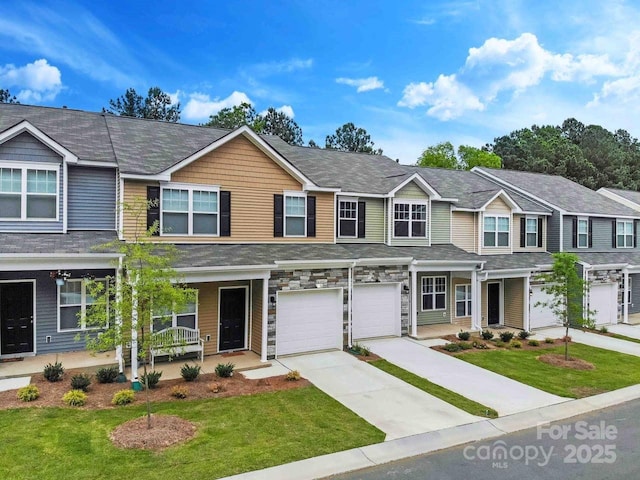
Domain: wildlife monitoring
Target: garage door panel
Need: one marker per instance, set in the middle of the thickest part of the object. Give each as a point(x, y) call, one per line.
point(540, 316)
point(376, 311)
point(603, 300)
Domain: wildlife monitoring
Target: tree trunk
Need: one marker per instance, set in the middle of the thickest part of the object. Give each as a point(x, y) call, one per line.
point(566, 343)
point(146, 383)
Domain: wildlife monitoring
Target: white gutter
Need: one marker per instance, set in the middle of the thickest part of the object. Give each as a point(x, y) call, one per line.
point(349, 302)
point(340, 263)
point(385, 261)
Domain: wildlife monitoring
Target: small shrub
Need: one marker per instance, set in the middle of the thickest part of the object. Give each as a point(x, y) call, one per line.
point(123, 397)
point(190, 372)
point(480, 345)
point(151, 378)
point(506, 336)
point(361, 350)
point(566, 339)
point(465, 345)
point(452, 347)
point(533, 343)
point(53, 372)
point(516, 344)
point(28, 393)
point(464, 335)
point(549, 340)
point(487, 334)
point(225, 370)
point(180, 391)
point(604, 330)
point(81, 381)
point(75, 398)
point(107, 374)
point(523, 334)
point(500, 343)
point(215, 387)
point(292, 376)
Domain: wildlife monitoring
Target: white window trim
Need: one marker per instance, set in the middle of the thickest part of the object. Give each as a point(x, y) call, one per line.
point(467, 298)
point(24, 166)
point(83, 307)
point(526, 232)
point(174, 316)
point(423, 294)
point(586, 220)
point(190, 189)
point(624, 235)
point(411, 203)
point(496, 216)
point(285, 216)
point(350, 200)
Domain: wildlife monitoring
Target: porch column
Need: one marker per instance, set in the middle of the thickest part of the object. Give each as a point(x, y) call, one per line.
point(527, 303)
point(134, 335)
point(118, 319)
point(625, 298)
point(265, 319)
point(414, 303)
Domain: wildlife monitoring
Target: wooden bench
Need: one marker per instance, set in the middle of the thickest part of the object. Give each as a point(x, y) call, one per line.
point(173, 341)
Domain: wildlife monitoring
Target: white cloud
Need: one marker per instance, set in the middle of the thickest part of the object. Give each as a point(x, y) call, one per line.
point(446, 97)
point(362, 84)
point(200, 106)
point(37, 81)
point(286, 109)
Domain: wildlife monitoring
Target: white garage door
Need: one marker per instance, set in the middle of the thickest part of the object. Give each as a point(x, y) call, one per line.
point(540, 316)
point(308, 320)
point(376, 310)
point(603, 299)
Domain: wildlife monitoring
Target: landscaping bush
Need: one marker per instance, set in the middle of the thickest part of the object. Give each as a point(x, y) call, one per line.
point(480, 345)
point(361, 350)
point(500, 343)
point(28, 393)
point(452, 347)
point(151, 379)
point(123, 397)
point(523, 334)
point(107, 374)
point(180, 392)
point(464, 335)
point(549, 340)
point(506, 336)
point(566, 339)
point(75, 398)
point(225, 370)
point(604, 330)
point(190, 372)
point(533, 343)
point(516, 344)
point(53, 372)
point(81, 381)
point(487, 334)
point(465, 345)
point(292, 376)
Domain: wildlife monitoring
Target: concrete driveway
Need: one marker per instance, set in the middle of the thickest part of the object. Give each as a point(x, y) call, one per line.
point(504, 395)
point(395, 407)
point(626, 329)
point(595, 340)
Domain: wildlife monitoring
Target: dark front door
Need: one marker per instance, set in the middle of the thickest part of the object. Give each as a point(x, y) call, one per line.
point(16, 318)
point(493, 303)
point(233, 315)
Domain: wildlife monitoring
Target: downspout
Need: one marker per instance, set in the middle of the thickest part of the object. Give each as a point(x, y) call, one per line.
point(413, 302)
point(625, 297)
point(527, 306)
point(349, 313)
point(265, 319)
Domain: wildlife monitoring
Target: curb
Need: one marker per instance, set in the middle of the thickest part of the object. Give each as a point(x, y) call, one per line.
point(401, 448)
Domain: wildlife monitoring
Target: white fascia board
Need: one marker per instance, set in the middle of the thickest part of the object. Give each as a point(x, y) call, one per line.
point(511, 273)
point(91, 163)
point(385, 261)
point(604, 215)
point(446, 266)
point(219, 274)
point(421, 182)
point(314, 188)
point(338, 263)
point(12, 262)
point(160, 177)
point(368, 195)
point(614, 196)
point(25, 126)
point(607, 266)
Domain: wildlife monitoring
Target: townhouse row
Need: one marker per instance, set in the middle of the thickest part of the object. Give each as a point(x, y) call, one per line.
point(291, 249)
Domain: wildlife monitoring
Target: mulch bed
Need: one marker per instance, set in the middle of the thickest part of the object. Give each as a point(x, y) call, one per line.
point(558, 360)
point(491, 344)
point(165, 431)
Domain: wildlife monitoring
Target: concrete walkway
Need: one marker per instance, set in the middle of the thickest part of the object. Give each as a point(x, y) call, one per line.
point(593, 340)
point(395, 407)
point(632, 331)
point(488, 388)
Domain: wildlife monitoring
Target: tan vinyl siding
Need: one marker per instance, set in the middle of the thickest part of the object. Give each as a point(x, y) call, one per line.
point(514, 302)
point(135, 224)
point(515, 235)
point(374, 222)
point(252, 178)
point(440, 223)
point(433, 317)
point(497, 207)
point(463, 322)
point(464, 232)
point(256, 316)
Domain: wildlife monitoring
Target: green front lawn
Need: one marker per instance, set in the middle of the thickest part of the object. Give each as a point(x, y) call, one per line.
point(235, 435)
point(623, 337)
point(431, 388)
point(613, 370)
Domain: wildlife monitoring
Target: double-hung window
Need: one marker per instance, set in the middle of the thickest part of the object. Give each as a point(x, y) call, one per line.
point(410, 219)
point(29, 193)
point(463, 300)
point(190, 211)
point(624, 234)
point(583, 233)
point(496, 231)
point(531, 232)
point(74, 300)
point(348, 218)
point(434, 293)
point(295, 215)
point(187, 317)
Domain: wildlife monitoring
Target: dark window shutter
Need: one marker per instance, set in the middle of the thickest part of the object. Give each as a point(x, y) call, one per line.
point(225, 214)
point(278, 217)
point(362, 215)
point(153, 212)
point(590, 233)
point(311, 216)
point(635, 234)
point(540, 224)
point(523, 231)
point(613, 233)
point(575, 232)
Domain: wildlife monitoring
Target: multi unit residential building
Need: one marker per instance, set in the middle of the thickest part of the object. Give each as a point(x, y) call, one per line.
point(291, 249)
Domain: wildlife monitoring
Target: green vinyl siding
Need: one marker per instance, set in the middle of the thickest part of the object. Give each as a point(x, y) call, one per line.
point(434, 317)
point(440, 223)
point(411, 191)
point(374, 222)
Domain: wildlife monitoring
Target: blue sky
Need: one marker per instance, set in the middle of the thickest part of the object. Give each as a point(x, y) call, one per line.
point(412, 73)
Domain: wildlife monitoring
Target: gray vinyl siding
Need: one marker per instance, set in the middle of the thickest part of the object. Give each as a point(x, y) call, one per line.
point(26, 148)
point(441, 223)
point(553, 232)
point(92, 198)
point(602, 235)
point(46, 314)
point(435, 316)
point(634, 306)
point(374, 222)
